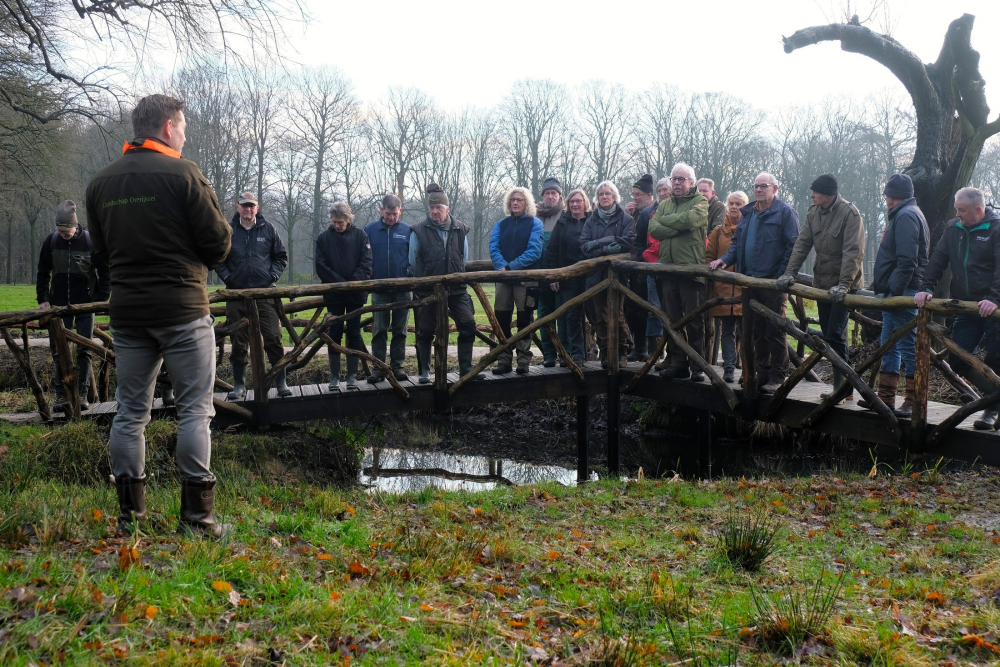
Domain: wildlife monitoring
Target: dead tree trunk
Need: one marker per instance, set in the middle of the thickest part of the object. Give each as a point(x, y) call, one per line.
point(949, 98)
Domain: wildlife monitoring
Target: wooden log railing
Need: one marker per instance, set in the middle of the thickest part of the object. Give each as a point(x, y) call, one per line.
point(979, 388)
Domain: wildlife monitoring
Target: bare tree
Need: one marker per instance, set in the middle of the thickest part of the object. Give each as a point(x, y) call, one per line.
point(263, 100)
point(534, 115)
point(485, 165)
point(605, 119)
point(399, 128)
point(657, 119)
point(293, 191)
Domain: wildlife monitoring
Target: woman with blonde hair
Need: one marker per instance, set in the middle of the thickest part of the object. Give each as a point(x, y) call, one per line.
point(564, 249)
point(608, 231)
point(516, 245)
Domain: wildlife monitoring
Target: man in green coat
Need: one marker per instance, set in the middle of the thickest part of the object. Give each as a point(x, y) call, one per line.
point(680, 225)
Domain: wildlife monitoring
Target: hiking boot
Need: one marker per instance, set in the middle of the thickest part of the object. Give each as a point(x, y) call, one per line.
point(281, 383)
point(987, 421)
point(197, 505)
point(522, 369)
point(131, 501)
point(638, 352)
point(728, 375)
point(888, 383)
point(906, 409)
point(62, 403)
point(549, 363)
point(697, 376)
point(334, 371)
point(771, 387)
point(168, 397)
point(84, 404)
point(400, 375)
point(674, 373)
point(239, 391)
point(502, 368)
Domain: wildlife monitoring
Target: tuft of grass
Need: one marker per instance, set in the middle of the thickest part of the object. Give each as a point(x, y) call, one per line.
point(749, 539)
point(796, 615)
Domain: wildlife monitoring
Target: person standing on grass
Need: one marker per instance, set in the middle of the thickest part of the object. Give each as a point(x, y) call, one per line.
point(516, 245)
point(762, 245)
point(728, 315)
point(69, 272)
point(390, 241)
point(564, 250)
point(257, 259)
point(343, 254)
point(155, 218)
point(970, 246)
point(835, 229)
point(438, 247)
point(640, 208)
point(549, 211)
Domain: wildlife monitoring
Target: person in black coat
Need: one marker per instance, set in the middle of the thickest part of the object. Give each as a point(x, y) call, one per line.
point(562, 250)
point(343, 253)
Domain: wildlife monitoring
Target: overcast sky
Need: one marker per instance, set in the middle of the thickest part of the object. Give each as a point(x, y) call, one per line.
point(469, 53)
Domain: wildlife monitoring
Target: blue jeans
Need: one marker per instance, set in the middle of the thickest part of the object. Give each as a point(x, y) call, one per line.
point(654, 328)
point(971, 330)
point(730, 327)
point(571, 326)
point(396, 321)
point(902, 352)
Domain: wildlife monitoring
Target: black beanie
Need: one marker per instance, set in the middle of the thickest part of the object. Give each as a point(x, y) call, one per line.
point(645, 184)
point(900, 186)
point(436, 195)
point(552, 183)
point(825, 185)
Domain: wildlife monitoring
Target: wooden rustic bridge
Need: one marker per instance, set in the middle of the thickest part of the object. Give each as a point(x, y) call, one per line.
point(935, 428)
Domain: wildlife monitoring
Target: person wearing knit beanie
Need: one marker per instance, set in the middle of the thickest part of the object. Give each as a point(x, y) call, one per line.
point(826, 184)
point(645, 184)
point(551, 183)
point(436, 195)
point(899, 186)
point(66, 214)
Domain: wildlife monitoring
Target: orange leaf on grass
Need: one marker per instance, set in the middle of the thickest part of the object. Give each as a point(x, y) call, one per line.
point(516, 624)
point(222, 586)
point(127, 557)
point(426, 607)
point(553, 554)
point(334, 595)
point(357, 568)
point(936, 599)
point(324, 556)
point(151, 612)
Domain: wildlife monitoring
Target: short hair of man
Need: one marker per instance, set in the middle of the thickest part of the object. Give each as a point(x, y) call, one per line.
point(391, 201)
point(683, 166)
point(770, 177)
point(341, 210)
point(610, 186)
point(152, 112)
point(587, 208)
point(711, 183)
point(739, 194)
point(974, 197)
point(529, 201)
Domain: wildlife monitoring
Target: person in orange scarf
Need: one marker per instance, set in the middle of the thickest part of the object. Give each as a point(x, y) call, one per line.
point(729, 315)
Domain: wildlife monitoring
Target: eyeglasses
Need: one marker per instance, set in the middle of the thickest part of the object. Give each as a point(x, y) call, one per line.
point(762, 186)
point(679, 180)
point(517, 199)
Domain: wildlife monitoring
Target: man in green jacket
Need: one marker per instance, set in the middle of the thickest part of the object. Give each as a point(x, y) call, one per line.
point(156, 219)
point(835, 229)
point(680, 225)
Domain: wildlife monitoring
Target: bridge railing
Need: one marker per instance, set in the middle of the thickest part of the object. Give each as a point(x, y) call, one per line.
point(309, 335)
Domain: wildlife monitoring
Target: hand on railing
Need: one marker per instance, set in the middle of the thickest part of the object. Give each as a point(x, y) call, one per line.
point(554, 287)
point(986, 308)
point(784, 282)
point(717, 264)
point(920, 298)
point(591, 246)
point(837, 293)
point(44, 305)
point(613, 248)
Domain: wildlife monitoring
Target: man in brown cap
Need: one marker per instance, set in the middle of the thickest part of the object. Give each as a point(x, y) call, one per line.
point(70, 273)
point(157, 220)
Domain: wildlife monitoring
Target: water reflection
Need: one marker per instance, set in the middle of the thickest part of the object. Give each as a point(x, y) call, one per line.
point(400, 470)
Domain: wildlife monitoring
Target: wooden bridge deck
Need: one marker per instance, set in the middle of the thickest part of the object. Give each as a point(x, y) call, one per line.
point(316, 401)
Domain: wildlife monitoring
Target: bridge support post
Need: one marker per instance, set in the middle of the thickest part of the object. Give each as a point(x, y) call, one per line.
point(261, 418)
point(921, 380)
point(582, 439)
point(705, 444)
point(613, 315)
point(749, 358)
point(441, 348)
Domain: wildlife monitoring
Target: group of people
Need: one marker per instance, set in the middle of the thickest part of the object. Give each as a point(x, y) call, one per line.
point(156, 229)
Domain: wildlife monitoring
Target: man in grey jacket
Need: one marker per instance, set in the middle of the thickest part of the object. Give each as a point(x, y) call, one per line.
point(257, 259)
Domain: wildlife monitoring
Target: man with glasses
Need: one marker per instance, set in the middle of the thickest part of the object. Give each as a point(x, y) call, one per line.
point(680, 224)
point(257, 259)
point(762, 245)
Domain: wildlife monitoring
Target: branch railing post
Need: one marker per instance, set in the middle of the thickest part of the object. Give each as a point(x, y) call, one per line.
point(613, 304)
point(441, 348)
point(260, 411)
point(68, 369)
point(23, 358)
point(749, 359)
point(921, 380)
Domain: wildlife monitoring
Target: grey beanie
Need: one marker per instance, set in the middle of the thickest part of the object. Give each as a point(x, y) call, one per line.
point(436, 195)
point(66, 214)
point(552, 183)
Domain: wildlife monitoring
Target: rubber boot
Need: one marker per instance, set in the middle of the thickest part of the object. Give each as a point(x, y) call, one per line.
point(334, 371)
point(352, 372)
point(906, 409)
point(888, 383)
point(239, 391)
point(168, 397)
point(281, 383)
point(424, 362)
point(61, 404)
point(465, 360)
point(131, 501)
point(838, 382)
point(197, 504)
point(84, 386)
point(987, 421)
point(638, 352)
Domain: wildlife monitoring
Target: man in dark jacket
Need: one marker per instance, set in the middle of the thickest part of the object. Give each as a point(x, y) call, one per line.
point(762, 245)
point(257, 259)
point(549, 211)
point(899, 269)
point(390, 241)
point(439, 246)
point(343, 253)
point(716, 208)
point(155, 217)
point(641, 209)
point(970, 246)
point(77, 276)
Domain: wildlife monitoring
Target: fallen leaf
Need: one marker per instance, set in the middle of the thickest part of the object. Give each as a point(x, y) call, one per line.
point(235, 598)
point(553, 554)
point(334, 595)
point(355, 567)
point(324, 556)
point(408, 619)
point(127, 557)
point(151, 612)
point(222, 586)
point(426, 607)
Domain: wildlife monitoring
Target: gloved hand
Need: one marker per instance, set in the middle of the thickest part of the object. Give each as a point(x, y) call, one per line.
point(591, 246)
point(785, 281)
point(837, 293)
point(613, 248)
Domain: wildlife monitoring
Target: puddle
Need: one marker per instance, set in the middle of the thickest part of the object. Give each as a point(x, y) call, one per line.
point(401, 470)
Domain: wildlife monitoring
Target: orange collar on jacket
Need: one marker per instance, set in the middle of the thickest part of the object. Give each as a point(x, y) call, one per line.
point(152, 145)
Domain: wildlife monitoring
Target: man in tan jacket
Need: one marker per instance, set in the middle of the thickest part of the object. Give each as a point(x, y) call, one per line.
point(835, 229)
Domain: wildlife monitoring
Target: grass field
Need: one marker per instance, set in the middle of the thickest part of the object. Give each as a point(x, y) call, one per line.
point(897, 568)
